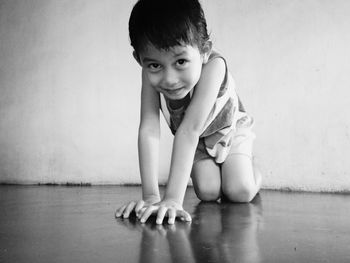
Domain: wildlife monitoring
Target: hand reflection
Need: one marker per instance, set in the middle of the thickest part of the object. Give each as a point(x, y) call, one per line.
point(226, 232)
point(219, 232)
point(162, 243)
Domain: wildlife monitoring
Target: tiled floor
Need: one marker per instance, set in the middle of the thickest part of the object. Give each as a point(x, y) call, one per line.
point(77, 224)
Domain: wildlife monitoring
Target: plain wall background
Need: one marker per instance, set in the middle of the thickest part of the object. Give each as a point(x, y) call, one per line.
point(69, 90)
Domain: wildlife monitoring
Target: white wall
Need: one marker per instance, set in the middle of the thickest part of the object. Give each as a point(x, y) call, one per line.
point(69, 92)
point(69, 89)
point(291, 61)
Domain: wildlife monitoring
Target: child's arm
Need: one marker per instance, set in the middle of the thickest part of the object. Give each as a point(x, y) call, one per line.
point(186, 141)
point(148, 140)
point(148, 148)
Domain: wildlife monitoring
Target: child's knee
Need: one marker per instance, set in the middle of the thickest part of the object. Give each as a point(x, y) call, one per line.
point(207, 192)
point(239, 193)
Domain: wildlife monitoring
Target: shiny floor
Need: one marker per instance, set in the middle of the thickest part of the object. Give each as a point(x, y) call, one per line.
point(77, 224)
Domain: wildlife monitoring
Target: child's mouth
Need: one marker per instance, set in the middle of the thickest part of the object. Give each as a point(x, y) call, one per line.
point(173, 91)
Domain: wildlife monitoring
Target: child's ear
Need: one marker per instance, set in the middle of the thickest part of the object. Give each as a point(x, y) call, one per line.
point(136, 57)
point(207, 51)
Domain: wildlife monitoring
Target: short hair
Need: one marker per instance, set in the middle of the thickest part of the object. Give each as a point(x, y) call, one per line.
point(167, 23)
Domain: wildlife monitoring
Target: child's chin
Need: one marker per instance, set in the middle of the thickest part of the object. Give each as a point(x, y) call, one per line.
point(178, 96)
point(175, 97)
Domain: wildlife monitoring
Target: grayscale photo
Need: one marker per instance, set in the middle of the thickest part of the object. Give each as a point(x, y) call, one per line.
point(180, 131)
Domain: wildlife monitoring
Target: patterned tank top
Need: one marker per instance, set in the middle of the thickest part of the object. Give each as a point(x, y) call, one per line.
point(226, 115)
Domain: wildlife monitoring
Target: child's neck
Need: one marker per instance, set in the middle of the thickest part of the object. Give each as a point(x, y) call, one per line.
point(176, 104)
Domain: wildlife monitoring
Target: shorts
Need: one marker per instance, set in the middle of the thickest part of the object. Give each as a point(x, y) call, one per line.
point(241, 143)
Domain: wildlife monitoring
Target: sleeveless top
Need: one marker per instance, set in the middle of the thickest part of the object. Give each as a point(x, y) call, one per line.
point(225, 117)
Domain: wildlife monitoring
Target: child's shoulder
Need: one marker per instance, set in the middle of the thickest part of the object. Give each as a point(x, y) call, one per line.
point(216, 64)
point(216, 54)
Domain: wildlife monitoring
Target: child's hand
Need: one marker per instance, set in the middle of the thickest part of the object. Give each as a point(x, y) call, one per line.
point(126, 209)
point(168, 208)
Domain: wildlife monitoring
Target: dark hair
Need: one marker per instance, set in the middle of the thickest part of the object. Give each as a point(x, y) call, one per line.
point(167, 23)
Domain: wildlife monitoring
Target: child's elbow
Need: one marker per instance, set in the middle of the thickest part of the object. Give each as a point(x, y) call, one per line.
point(189, 131)
point(149, 131)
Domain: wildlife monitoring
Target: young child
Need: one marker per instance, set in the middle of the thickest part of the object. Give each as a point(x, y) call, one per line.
point(190, 83)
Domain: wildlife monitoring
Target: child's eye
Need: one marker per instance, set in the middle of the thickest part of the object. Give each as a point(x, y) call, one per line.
point(154, 66)
point(182, 62)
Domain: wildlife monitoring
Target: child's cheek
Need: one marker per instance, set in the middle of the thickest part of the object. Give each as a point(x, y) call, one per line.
point(154, 79)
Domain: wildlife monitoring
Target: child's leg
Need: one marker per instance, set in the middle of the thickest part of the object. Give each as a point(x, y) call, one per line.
point(241, 180)
point(206, 179)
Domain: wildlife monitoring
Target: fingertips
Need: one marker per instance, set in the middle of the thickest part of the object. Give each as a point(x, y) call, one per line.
point(141, 212)
point(161, 213)
point(172, 216)
point(187, 217)
point(146, 214)
point(128, 209)
point(119, 211)
point(138, 206)
point(184, 216)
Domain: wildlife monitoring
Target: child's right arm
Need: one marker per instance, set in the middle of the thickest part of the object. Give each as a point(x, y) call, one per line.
point(148, 148)
point(148, 140)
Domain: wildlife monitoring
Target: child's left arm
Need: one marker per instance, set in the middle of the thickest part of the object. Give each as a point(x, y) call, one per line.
point(186, 141)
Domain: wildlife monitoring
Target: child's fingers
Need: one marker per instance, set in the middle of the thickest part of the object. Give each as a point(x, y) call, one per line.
point(128, 209)
point(138, 206)
point(183, 214)
point(171, 215)
point(141, 212)
point(161, 213)
point(146, 214)
point(120, 211)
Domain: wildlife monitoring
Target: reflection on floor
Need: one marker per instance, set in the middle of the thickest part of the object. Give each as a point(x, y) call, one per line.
point(77, 224)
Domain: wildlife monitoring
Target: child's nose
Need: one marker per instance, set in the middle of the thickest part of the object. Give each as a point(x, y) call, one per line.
point(170, 78)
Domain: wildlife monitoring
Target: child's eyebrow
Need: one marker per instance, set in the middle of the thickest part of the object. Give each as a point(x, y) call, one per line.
point(181, 53)
point(146, 59)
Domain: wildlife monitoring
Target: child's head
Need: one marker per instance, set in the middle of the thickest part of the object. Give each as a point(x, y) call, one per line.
point(167, 23)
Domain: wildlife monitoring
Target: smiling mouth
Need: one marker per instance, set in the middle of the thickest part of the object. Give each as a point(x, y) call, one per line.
point(173, 91)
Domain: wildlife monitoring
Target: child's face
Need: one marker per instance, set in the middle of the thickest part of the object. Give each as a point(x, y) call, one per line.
point(172, 72)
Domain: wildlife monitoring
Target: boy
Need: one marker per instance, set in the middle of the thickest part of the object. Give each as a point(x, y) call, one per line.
point(189, 82)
